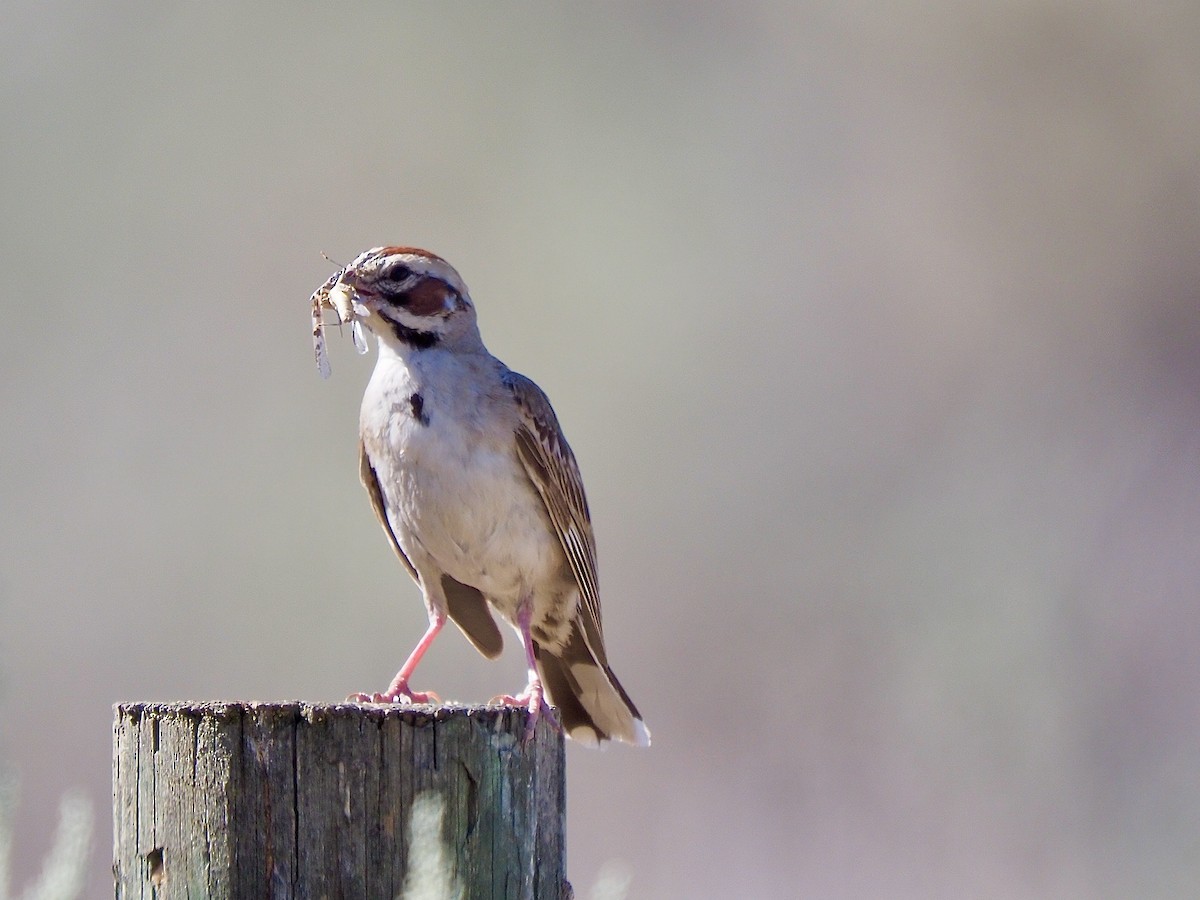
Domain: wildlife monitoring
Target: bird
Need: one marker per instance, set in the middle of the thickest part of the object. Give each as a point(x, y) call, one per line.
point(479, 495)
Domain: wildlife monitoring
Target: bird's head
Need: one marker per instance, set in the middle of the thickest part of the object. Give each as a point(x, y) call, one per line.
point(414, 299)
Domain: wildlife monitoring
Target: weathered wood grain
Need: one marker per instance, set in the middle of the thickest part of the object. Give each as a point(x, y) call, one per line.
point(294, 800)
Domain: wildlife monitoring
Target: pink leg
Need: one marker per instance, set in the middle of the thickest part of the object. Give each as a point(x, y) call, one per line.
point(399, 691)
point(534, 695)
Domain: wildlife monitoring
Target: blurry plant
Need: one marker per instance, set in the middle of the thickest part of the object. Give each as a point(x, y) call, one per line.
point(430, 871)
point(613, 881)
point(63, 872)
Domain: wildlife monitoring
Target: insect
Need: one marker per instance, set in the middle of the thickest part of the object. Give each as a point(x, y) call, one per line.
point(340, 298)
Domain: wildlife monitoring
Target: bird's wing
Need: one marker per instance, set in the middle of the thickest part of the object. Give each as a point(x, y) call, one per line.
point(551, 466)
point(366, 474)
point(464, 604)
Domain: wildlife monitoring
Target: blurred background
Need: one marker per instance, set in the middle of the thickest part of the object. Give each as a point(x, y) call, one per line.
point(875, 328)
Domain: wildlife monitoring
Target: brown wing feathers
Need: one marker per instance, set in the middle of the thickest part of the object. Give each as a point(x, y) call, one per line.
point(552, 468)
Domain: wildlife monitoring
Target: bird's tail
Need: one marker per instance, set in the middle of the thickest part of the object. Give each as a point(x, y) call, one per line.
point(591, 702)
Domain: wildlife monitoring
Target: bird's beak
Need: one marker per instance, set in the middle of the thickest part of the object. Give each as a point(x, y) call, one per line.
point(362, 302)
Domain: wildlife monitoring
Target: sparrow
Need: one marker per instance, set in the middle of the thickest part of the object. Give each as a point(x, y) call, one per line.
point(478, 493)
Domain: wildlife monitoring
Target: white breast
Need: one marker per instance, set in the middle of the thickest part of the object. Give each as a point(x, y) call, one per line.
point(456, 492)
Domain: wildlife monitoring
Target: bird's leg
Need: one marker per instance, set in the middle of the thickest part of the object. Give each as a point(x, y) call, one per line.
point(534, 696)
point(399, 691)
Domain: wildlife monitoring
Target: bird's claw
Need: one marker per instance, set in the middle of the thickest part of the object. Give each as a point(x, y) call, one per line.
point(533, 699)
point(404, 696)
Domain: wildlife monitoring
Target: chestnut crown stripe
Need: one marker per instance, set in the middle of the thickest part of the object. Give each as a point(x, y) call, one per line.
point(394, 265)
point(409, 251)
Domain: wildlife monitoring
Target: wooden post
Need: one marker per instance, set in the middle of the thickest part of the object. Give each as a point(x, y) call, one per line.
point(294, 800)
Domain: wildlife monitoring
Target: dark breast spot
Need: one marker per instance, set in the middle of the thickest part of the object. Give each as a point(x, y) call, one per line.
point(417, 404)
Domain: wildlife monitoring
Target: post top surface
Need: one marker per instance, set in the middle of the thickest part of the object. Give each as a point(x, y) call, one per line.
point(299, 709)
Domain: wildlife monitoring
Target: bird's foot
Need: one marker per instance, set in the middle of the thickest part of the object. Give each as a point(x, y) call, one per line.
point(397, 693)
point(532, 698)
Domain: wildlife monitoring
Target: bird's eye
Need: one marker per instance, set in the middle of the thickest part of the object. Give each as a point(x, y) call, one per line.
point(398, 273)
